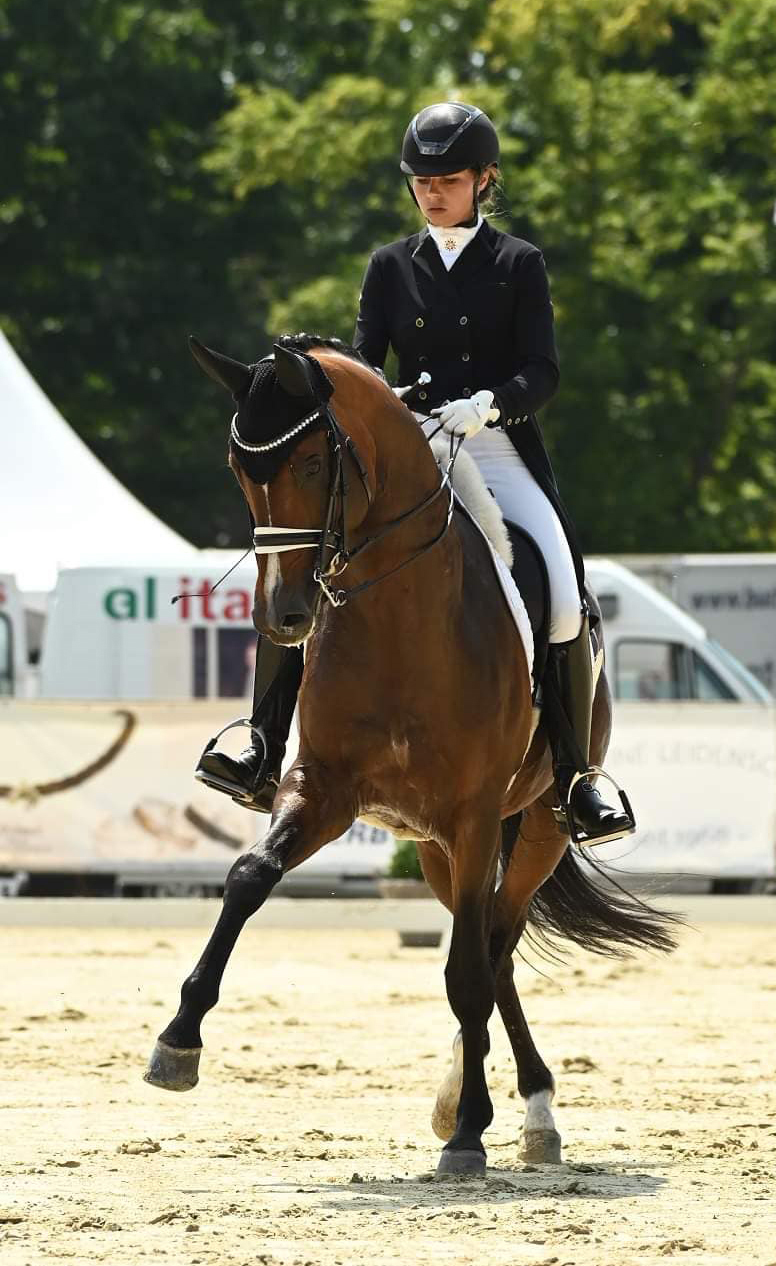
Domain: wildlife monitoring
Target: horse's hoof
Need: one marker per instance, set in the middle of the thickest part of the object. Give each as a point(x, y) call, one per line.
point(460, 1164)
point(171, 1069)
point(541, 1147)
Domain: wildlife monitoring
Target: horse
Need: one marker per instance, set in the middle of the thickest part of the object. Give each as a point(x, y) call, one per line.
point(415, 712)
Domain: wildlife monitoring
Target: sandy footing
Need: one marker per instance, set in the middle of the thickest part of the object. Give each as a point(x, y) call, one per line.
point(308, 1139)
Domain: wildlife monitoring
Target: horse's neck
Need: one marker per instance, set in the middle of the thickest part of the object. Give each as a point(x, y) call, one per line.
point(407, 472)
point(399, 571)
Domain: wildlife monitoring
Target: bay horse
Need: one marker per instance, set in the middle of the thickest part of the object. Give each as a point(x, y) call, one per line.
point(415, 711)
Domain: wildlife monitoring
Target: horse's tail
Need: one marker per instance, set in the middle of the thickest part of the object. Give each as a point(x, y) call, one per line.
point(605, 919)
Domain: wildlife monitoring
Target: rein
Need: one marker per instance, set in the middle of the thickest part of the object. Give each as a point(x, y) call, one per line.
point(332, 541)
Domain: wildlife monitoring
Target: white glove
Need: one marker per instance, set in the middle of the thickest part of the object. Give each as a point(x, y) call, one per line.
point(467, 417)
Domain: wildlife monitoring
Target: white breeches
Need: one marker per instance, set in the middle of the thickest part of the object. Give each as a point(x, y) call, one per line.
point(521, 500)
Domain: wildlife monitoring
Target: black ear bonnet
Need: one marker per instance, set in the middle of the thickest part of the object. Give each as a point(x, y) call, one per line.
point(266, 411)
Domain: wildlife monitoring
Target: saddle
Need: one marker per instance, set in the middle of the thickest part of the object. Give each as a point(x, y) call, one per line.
point(529, 572)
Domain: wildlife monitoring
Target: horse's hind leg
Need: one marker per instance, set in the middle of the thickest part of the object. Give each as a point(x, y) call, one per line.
point(531, 859)
point(304, 822)
point(535, 1082)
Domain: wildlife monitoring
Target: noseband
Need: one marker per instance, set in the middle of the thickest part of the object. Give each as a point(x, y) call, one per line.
point(331, 542)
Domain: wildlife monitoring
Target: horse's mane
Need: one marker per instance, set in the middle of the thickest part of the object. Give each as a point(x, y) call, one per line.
point(308, 342)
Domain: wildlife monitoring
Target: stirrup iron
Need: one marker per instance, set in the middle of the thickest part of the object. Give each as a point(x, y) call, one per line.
point(565, 818)
point(218, 783)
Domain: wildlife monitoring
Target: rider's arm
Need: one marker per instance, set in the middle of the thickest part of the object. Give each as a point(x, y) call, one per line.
point(536, 379)
point(371, 337)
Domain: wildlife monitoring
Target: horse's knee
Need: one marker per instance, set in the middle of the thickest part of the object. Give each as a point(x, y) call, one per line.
point(250, 881)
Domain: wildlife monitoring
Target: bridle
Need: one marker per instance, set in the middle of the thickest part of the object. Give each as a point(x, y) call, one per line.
point(331, 541)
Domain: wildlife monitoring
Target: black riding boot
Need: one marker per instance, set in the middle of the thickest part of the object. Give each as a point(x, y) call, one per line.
point(569, 710)
point(252, 778)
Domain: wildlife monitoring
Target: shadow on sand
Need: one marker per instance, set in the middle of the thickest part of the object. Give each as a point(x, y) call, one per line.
point(563, 1183)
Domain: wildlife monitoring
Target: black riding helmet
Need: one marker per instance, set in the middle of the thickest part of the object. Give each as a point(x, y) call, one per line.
point(448, 137)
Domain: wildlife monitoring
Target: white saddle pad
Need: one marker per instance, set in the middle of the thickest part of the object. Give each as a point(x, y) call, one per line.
point(509, 589)
point(483, 511)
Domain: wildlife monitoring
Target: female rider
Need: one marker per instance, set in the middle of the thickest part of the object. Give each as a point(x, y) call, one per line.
point(471, 306)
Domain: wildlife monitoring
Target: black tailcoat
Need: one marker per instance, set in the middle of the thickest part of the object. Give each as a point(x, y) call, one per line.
point(485, 323)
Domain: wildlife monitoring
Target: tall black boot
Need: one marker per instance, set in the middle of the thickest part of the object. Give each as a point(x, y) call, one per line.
point(569, 692)
point(252, 777)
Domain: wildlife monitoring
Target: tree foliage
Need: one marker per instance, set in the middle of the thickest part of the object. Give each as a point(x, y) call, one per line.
point(227, 169)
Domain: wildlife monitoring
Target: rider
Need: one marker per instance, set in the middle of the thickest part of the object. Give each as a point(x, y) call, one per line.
point(471, 306)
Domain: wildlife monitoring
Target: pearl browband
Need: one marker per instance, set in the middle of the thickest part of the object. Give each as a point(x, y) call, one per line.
point(280, 439)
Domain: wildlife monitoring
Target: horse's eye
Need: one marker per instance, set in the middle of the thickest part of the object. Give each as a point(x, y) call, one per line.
point(312, 466)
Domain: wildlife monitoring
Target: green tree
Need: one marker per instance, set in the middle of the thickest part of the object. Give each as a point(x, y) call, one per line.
point(227, 168)
point(636, 138)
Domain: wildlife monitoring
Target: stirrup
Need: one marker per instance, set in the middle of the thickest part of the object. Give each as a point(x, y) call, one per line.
point(217, 782)
point(565, 818)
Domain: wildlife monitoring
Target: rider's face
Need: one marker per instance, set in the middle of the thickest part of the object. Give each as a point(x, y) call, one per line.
point(447, 200)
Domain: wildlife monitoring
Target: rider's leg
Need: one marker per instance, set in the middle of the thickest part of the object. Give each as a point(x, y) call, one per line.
point(253, 776)
point(569, 675)
point(568, 710)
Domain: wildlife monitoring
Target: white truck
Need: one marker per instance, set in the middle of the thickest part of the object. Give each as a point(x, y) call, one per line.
point(694, 738)
point(733, 595)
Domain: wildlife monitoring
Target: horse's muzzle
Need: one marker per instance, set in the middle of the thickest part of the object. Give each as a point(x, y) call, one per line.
point(287, 623)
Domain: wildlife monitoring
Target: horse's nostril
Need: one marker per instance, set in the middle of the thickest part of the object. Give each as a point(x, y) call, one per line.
point(293, 619)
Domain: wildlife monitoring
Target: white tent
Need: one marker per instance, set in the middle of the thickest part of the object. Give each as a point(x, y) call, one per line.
point(59, 506)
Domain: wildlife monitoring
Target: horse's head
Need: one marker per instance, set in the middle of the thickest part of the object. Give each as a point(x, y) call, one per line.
point(296, 469)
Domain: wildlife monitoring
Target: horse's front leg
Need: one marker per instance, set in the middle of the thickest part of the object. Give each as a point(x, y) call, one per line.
point(470, 990)
point(306, 817)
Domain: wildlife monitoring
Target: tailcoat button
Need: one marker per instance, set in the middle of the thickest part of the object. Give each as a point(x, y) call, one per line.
point(465, 356)
point(423, 395)
point(467, 391)
point(420, 323)
point(423, 359)
point(464, 321)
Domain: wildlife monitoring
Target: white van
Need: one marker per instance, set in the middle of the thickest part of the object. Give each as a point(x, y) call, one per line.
point(656, 652)
point(733, 594)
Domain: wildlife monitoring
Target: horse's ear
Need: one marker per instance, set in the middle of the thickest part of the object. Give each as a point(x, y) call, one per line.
point(294, 372)
point(228, 373)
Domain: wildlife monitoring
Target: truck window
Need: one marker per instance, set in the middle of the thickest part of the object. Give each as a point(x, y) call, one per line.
point(650, 670)
point(6, 659)
point(706, 684)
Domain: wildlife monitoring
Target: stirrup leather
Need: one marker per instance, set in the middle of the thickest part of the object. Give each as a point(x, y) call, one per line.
point(564, 815)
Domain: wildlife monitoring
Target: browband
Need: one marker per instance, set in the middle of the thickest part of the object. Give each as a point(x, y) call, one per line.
point(280, 439)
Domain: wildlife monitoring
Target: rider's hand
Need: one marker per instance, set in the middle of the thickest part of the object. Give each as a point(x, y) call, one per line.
point(466, 417)
point(401, 391)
